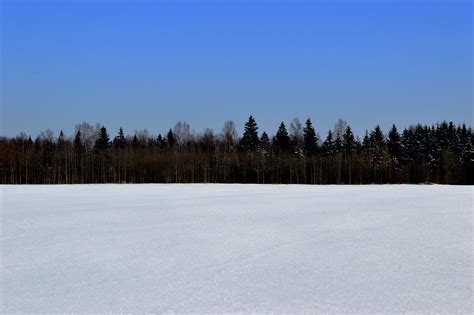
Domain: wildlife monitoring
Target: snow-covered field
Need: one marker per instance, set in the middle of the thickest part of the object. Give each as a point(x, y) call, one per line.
point(229, 248)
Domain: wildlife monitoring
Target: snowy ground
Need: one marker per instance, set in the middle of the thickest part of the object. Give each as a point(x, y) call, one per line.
point(228, 248)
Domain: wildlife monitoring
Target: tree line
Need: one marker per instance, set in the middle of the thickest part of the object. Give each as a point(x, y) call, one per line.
point(441, 153)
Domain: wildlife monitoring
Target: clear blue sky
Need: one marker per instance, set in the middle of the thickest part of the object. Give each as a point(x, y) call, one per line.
point(148, 64)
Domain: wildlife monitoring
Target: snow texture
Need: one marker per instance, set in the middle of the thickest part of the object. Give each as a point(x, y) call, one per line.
point(236, 248)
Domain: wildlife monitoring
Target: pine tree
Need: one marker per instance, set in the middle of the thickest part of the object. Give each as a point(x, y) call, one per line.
point(310, 139)
point(281, 141)
point(250, 141)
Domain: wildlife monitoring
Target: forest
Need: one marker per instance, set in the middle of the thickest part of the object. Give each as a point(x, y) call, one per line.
point(441, 153)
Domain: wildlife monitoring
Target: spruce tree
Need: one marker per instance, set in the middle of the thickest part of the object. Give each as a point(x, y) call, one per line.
point(61, 141)
point(394, 144)
point(349, 141)
point(101, 149)
point(265, 145)
point(160, 142)
point(170, 139)
point(377, 138)
point(420, 150)
point(328, 144)
point(135, 143)
point(119, 140)
point(310, 139)
point(365, 147)
point(442, 135)
point(377, 154)
point(281, 141)
point(250, 141)
point(78, 152)
point(78, 146)
point(407, 151)
point(377, 141)
point(465, 148)
point(103, 141)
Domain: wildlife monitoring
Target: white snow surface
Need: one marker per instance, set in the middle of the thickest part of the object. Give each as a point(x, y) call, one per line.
point(236, 248)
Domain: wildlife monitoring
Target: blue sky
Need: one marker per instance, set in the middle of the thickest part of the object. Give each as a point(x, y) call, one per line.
point(148, 64)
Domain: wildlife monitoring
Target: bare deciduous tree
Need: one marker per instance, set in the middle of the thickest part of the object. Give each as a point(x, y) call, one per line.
point(229, 135)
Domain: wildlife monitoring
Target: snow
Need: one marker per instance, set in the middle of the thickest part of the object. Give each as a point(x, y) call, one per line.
point(236, 248)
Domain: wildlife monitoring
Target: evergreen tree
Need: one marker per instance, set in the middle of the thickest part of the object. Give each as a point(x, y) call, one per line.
point(328, 144)
point(377, 138)
point(78, 145)
point(207, 141)
point(349, 141)
point(432, 147)
point(358, 145)
point(101, 147)
point(378, 152)
point(61, 140)
point(421, 148)
point(442, 136)
point(103, 141)
point(170, 139)
point(394, 144)
point(281, 141)
point(135, 143)
point(78, 153)
point(119, 140)
point(452, 135)
point(265, 145)
point(465, 148)
point(365, 147)
point(310, 139)
point(250, 141)
point(407, 146)
point(161, 142)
